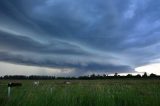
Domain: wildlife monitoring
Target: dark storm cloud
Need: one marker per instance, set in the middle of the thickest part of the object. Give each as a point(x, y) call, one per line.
point(92, 66)
point(22, 43)
point(103, 35)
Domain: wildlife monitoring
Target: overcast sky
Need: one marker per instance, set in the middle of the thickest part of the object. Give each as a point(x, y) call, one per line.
point(78, 37)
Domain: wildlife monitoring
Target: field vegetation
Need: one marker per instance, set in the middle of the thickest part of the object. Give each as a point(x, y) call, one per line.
point(124, 92)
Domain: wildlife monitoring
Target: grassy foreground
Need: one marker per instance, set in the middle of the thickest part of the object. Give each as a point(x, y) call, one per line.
point(83, 93)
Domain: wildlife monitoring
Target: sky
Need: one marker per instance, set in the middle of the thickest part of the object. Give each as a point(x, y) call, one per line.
point(79, 37)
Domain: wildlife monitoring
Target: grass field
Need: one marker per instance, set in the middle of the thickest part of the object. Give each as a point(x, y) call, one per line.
point(82, 93)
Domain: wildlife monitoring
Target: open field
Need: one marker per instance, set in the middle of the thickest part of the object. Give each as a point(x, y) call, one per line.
point(82, 93)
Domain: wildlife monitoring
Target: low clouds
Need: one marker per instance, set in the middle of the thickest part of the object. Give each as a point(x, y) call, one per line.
point(87, 36)
point(78, 65)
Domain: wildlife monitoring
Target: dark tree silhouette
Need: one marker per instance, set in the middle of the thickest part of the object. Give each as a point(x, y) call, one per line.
point(153, 75)
point(88, 77)
point(93, 76)
point(129, 76)
point(138, 76)
point(144, 75)
point(116, 75)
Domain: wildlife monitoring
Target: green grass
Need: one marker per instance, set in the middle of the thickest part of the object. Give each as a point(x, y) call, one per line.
point(83, 93)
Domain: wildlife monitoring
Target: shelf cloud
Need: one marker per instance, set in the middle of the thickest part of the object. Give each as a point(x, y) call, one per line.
point(84, 36)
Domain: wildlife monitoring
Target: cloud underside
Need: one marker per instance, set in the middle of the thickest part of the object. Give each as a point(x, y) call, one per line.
point(87, 36)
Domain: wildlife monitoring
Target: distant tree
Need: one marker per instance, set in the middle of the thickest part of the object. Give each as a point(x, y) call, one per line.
point(144, 75)
point(153, 75)
point(129, 75)
point(104, 75)
point(84, 77)
point(138, 76)
point(93, 76)
point(116, 75)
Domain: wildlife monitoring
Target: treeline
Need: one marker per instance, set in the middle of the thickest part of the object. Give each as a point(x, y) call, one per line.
point(32, 77)
point(88, 77)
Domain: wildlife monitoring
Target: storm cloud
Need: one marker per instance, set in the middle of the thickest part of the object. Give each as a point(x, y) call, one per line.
point(85, 35)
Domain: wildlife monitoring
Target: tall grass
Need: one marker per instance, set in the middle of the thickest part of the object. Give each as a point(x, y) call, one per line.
point(83, 93)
